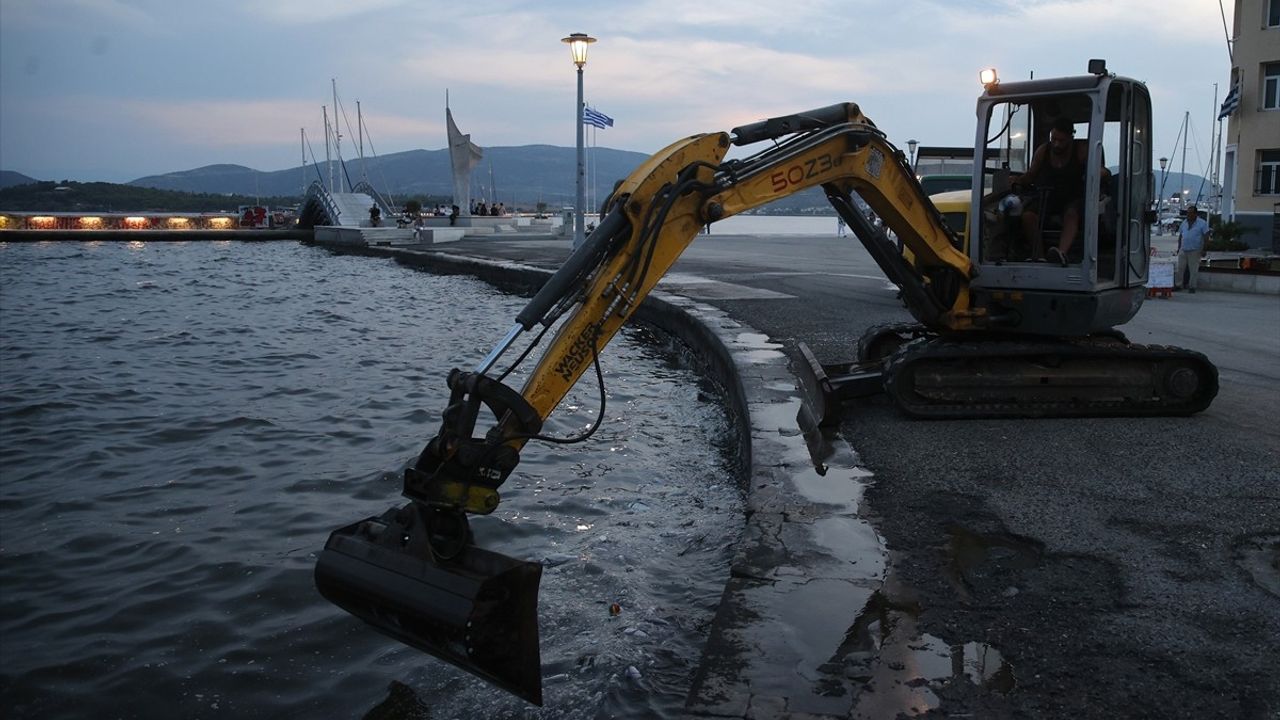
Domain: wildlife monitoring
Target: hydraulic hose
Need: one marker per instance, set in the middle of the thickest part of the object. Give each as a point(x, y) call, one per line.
point(570, 275)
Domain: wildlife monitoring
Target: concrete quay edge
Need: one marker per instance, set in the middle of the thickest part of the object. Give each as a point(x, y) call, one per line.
point(781, 572)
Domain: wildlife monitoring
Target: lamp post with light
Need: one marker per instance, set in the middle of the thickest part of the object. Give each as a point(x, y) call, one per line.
point(911, 147)
point(578, 43)
point(1164, 164)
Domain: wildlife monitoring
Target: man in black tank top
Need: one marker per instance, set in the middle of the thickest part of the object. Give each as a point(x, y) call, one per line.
point(1058, 169)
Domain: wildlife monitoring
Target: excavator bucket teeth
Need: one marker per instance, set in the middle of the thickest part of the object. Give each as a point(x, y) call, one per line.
point(477, 611)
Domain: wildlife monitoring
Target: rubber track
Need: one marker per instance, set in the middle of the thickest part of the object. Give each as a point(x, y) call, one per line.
point(1154, 359)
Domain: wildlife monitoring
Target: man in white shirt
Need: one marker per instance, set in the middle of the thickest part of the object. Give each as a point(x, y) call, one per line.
point(1193, 234)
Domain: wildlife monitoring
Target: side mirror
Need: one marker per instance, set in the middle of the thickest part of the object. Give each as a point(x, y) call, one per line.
point(1149, 217)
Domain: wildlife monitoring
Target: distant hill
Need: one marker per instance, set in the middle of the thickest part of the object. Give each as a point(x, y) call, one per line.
point(9, 178)
point(219, 179)
point(1175, 182)
point(521, 177)
point(514, 175)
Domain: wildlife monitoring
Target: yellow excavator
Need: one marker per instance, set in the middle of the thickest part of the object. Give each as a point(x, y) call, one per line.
point(998, 331)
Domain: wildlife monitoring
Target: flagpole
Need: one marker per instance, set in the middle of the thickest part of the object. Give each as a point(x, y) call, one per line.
point(1216, 155)
point(590, 182)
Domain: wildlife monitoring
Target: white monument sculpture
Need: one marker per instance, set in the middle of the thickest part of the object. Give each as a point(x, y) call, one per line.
point(464, 155)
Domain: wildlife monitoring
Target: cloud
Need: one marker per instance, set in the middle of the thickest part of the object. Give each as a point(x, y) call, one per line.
point(1028, 23)
point(292, 12)
point(237, 123)
point(712, 18)
point(663, 68)
point(52, 15)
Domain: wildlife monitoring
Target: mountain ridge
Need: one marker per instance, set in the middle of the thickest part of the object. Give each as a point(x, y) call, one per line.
point(518, 176)
point(515, 175)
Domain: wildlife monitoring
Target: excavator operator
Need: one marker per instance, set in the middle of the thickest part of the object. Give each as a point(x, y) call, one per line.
point(1058, 169)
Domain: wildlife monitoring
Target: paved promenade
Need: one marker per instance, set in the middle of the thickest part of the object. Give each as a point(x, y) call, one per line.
point(1080, 568)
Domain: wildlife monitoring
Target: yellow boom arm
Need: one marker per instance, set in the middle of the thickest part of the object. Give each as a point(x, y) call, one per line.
point(654, 214)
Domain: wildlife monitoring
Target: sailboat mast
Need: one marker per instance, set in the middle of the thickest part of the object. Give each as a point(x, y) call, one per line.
point(302, 136)
point(364, 174)
point(328, 159)
point(337, 130)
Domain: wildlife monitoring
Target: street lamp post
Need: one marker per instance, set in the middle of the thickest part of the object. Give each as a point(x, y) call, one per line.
point(1164, 164)
point(578, 43)
point(911, 147)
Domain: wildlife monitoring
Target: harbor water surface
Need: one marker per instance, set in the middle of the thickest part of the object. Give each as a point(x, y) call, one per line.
point(182, 425)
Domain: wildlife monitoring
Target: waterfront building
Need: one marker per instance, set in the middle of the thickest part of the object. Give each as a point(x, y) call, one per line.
point(1251, 173)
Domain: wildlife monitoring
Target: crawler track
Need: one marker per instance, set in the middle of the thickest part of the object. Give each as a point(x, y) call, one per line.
point(1099, 376)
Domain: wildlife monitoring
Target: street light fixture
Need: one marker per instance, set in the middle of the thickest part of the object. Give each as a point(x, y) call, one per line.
point(578, 43)
point(911, 146)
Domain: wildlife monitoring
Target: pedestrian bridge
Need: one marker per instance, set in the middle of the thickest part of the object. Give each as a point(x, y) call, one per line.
point(349, 209)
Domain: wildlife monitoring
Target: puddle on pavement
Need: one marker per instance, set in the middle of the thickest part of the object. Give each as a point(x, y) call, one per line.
point(890, 666)
point(836, 477)
point(984, 561)
point(1259, 555)
point(902, 669)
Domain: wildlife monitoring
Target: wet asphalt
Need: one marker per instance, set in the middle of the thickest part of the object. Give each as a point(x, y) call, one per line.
point(1119, 567)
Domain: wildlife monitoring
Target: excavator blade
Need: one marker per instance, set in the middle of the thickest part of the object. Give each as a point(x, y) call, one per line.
point(818, 395)
point(826, 388)
point(477, 611)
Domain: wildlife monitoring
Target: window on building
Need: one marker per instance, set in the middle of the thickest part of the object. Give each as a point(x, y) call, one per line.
point(1271, 85)
point(1273, 13)
point(1268, 178)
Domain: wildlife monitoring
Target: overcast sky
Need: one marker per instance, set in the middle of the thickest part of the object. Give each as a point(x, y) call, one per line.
point(118, 89)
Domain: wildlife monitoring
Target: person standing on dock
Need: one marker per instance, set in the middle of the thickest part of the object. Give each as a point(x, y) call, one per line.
point(1193, 234)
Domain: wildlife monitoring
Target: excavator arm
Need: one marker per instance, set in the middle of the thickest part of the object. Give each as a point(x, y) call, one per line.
point(654, 214)
point(413, 572)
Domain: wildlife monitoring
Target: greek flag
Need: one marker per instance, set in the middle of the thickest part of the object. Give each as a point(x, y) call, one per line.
point(591, 116)
point(1232, 103)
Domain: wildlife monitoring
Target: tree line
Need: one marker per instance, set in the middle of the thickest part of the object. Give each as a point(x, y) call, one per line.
point(70, 196)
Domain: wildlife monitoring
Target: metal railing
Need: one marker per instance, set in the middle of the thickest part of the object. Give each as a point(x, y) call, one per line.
point(316, 191)
point(383, 205)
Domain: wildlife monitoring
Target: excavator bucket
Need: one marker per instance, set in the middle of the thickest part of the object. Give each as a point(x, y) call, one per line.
point(477, 610)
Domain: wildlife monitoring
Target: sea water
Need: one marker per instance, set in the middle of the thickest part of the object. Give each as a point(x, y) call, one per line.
point(183, 424)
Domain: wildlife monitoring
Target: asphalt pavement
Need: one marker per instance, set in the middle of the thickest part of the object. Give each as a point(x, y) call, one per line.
point(1073, 568)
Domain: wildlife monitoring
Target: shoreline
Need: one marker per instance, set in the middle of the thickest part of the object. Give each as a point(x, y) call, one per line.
point(152, 235)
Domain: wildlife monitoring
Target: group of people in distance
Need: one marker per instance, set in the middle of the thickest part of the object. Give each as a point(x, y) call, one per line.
point(451, 211)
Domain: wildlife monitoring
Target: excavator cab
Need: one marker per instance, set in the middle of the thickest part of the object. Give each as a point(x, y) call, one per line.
point(1050, 273)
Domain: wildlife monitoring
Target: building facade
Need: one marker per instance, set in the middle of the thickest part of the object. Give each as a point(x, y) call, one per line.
point(1251, 161)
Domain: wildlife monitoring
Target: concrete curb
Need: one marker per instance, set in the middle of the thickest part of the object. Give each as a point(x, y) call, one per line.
point(1239, 281)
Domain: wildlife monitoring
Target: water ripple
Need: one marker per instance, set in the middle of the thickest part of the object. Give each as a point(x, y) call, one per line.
point(181, 433)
